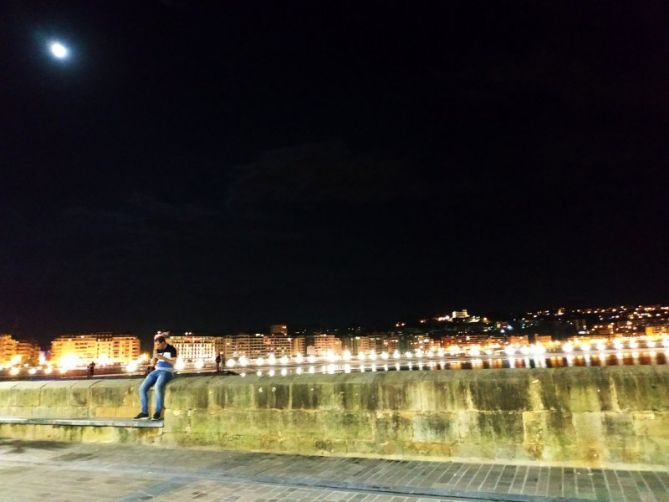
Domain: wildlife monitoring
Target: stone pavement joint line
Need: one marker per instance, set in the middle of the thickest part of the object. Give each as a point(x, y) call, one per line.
point(67, 471)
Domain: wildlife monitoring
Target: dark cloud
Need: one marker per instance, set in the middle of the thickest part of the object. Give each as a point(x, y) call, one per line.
point(322, 174)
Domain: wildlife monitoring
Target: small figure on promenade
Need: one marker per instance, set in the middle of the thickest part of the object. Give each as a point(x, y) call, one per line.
point(219, 359)
point(164, 357)
point(91, 369)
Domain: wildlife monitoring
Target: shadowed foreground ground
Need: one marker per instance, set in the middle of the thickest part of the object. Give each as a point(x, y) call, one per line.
point(61, 471)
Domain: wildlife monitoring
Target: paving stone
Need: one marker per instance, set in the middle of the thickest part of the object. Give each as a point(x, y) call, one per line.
point(555, 482)
point(447, 474)
point(615, 489)
point(465, 475)
point(479, 478)
point(655, 485)
point(505, 479)
point(518, 482)
point(490, 481)
point(457, 474)
point(531, 480)
point(128, 472)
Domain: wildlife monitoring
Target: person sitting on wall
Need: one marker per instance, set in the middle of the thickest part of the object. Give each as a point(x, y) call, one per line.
point(164, 356)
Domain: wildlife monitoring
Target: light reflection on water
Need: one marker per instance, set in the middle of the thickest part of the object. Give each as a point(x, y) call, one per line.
point(628, 358)
point(618, 357)
point(563, 361)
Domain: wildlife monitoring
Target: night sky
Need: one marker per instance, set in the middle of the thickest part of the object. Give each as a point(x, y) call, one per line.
point(224, 166)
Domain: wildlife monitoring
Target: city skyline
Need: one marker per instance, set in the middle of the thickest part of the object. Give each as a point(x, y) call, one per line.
point(611, 335)
point(201, 166)
point(556, 322)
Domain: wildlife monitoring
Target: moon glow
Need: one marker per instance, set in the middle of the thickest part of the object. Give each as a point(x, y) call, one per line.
point(58, 50)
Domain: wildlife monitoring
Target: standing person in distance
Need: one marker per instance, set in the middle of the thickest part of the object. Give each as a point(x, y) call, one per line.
point(164, 357)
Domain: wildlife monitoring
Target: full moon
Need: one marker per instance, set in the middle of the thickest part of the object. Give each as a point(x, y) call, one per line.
point(58, 50)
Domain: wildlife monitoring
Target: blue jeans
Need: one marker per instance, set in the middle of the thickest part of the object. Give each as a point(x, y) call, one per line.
point(159, 378)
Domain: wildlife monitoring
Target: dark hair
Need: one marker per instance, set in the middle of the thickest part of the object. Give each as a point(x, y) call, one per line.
point(160, 339)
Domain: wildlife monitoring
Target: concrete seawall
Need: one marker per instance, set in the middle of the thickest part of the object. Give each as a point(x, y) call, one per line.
point(599, 416)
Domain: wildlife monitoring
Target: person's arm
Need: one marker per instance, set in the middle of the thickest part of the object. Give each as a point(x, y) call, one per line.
point(161, 357)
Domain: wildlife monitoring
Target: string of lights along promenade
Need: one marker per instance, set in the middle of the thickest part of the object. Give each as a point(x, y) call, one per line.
point(620, 351)
point(604, 336)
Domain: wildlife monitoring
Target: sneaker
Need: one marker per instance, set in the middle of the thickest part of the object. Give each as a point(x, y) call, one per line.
point(156, 416)
point(141, 416)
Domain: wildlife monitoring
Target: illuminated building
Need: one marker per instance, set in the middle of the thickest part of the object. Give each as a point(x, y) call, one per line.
point(603, 329)
point(322, 344)
point(359, 344)
point(297, 345)
point(581, 326)
point(422, 342)
point(278, 342)
point(379, 342)
point(460, 314)
point(7, 349)
point(249, 345)
point(278, 345)
point(99, 347)
point(28, 351)
point(228, 346)
point(278, 329)
point(13, 351)
point(241, 345)
point(518, 340)
point(388, 343)
point(193, 348)
point(657, 330)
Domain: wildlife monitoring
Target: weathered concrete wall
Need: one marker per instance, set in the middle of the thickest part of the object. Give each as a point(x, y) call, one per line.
point(581, 416)
point(73, 399)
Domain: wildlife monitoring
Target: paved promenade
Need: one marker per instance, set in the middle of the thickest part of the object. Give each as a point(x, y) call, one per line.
point(77, 472)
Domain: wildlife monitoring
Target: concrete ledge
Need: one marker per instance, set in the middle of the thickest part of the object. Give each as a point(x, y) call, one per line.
point(88, 422)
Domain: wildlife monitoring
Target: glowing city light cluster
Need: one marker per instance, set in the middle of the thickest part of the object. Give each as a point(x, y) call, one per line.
point(68, 363)
point(453, 356)
point(434, 357)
